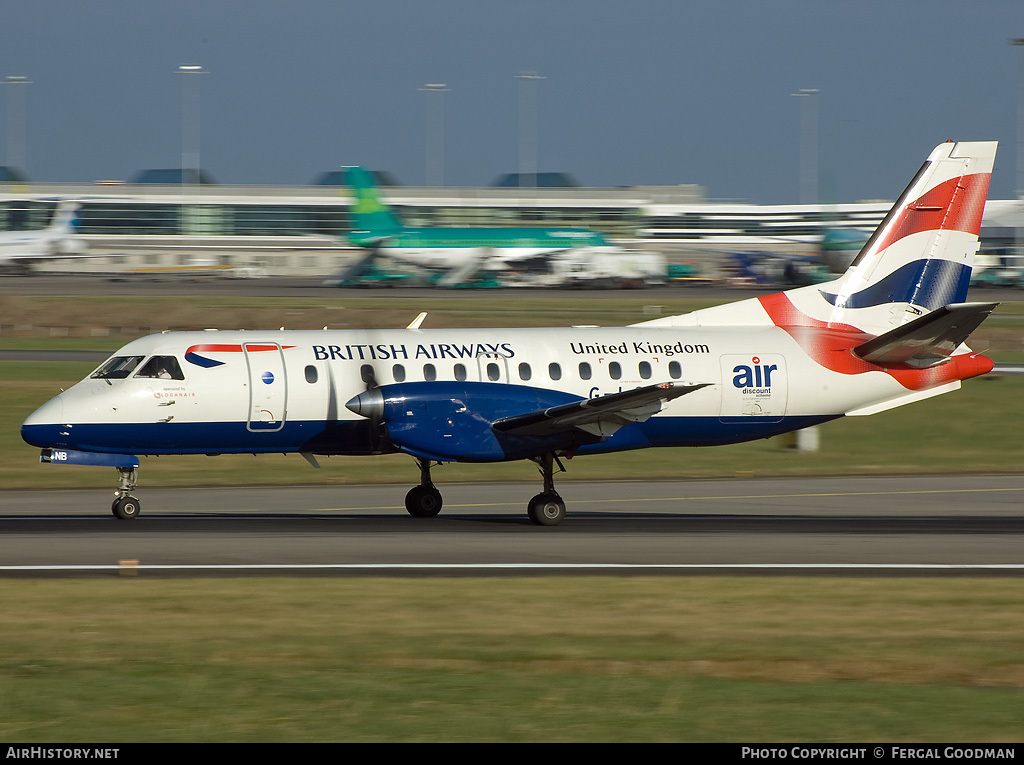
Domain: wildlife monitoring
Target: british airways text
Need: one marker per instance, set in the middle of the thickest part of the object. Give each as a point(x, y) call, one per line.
point(384, 351)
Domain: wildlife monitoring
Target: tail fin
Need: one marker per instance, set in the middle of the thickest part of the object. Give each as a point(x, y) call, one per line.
point(920, 256)
point(65, 218)
point(906, 289)
point(372, 220)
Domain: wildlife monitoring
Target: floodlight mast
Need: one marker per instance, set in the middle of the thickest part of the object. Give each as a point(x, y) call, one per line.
point(16, 111)
point(435, 133)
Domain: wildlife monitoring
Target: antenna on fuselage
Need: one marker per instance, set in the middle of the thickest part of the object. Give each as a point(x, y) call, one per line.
point(415, 323)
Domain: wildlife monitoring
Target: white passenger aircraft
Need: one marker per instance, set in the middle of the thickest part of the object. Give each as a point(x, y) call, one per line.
point(23, 249)
point(888, 332)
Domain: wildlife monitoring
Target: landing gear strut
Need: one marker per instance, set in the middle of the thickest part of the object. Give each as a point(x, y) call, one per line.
point(423, 501)
point(547, 508)
point(125, 506)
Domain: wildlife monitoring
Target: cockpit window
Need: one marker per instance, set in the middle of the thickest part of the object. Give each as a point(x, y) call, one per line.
point(117, 367)
point(162, 367)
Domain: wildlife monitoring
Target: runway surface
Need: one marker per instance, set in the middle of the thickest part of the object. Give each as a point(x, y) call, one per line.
point(912, 525)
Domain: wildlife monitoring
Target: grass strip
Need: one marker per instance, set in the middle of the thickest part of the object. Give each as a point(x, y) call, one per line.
point(524, 659)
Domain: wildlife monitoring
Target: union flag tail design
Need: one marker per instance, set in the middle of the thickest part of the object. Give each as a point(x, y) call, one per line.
point(920, 257)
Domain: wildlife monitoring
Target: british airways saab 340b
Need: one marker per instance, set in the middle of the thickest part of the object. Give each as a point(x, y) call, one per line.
point(888, 332)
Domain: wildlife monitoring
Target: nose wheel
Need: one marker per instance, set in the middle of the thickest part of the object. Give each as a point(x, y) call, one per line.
point(126, 508)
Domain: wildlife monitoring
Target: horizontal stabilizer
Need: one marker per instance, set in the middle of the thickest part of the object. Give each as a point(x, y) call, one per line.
point(927, 340)
point(600, 416)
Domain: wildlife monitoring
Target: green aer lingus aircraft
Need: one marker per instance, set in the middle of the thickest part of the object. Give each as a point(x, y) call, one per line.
point(461, 252)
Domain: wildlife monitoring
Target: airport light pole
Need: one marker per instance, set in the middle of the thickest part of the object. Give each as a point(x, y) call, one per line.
point(807, 440)
point(808, 145)
point(528, 127)
point(1019, 180)
point(190, 115)
point(190, 118)
point(16, 152)
point(435, 133)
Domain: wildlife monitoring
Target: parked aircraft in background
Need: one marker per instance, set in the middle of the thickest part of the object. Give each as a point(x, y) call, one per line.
point(839, 246)
point(20, 250)
point(888, 332)
point(998, 269)
point(459, 254)
point(836, 251)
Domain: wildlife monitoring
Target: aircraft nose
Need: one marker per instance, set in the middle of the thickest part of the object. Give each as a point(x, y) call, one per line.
point(45, 426)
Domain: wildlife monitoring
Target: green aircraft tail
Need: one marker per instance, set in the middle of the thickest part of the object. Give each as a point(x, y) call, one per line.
point(372, 220)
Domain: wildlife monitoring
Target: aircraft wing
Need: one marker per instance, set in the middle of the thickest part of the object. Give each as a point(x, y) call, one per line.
point(927, 340)
point(599, 416)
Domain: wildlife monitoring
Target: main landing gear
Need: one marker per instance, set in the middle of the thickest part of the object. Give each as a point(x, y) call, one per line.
point(545, 509)
point(423, 501)
point(125, 506)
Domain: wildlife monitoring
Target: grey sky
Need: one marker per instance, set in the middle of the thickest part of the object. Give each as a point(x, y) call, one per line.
point(635, 91)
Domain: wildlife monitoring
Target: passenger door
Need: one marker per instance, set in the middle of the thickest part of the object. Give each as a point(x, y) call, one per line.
point(268, 387)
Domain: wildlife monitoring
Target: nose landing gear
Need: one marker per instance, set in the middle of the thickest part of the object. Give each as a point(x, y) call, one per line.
point(125, 506)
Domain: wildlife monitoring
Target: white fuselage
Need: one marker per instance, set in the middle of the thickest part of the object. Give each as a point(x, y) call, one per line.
point(286, 390)
point(22, 245)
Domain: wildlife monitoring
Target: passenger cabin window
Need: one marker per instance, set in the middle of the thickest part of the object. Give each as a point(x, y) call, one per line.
point(615, 370)
point(398, 372)
point(584, 370)
point(675, 370)
point(311, 374)
point(554, 371)
point(162, 367)
point(493, 373)
point(429, 372)
point(645, 370)
point(117, 367)
point(524, 371)
point(366, 374)
point(460, 372)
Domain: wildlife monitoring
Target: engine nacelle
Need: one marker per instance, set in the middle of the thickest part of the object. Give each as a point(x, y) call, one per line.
point(451, 421)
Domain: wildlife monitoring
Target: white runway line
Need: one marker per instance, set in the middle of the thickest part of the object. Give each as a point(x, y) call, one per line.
point(530, 566)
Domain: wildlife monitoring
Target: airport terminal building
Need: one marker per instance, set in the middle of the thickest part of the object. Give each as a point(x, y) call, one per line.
point(160, 225)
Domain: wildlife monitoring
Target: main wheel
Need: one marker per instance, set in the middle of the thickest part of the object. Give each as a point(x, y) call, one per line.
point(423, 501)
point(546, 509)
point(126, 508)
